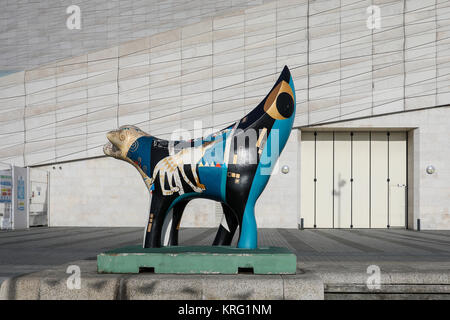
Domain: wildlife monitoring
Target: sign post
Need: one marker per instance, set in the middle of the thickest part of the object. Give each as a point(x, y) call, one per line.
point(6, 199)
point(20, 198)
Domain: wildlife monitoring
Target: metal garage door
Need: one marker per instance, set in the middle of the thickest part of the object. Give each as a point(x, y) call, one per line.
point(353, 179)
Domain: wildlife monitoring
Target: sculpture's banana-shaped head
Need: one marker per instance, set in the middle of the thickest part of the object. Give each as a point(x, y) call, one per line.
point(121, 141)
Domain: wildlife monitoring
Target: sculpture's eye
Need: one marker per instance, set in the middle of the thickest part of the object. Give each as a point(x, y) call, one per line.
point(285, 104)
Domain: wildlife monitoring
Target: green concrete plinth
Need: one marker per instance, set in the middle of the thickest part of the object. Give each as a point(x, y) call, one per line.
point(197, 260)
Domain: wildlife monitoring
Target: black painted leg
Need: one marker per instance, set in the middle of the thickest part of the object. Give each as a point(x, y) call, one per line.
point(158, 210)
point(176, 220)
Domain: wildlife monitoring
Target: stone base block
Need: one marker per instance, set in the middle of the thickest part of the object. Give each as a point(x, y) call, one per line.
point(58, 283)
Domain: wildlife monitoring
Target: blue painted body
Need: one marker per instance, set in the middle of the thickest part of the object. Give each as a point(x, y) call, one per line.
point(249, 236)
point(221, 178)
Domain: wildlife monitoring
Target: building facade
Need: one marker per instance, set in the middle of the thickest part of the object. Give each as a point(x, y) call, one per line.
point(369, 146)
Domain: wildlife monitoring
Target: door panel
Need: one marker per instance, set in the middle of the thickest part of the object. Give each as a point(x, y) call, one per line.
point(361, 179)
point(342, 174)
point(38, 197)
point(397, 175)
point(307, 179)
point(379, 175)
point(367, 158)
point(324, 184)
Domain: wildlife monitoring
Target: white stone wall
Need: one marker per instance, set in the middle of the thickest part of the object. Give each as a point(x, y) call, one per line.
point(429, 194)
point(97, 192)
point(219, 69)
point(33, 33)
point(278, 205)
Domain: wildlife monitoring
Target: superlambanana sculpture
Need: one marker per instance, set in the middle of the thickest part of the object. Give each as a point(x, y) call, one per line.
point(231, 166)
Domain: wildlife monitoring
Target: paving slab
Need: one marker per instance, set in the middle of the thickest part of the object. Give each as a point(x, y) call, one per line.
point(331, 264)
point(394, 279)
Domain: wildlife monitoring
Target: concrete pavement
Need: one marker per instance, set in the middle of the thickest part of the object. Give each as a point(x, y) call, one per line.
point(411, 264)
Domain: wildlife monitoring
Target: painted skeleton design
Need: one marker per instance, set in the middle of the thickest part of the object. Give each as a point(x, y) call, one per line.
point(170, 167)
